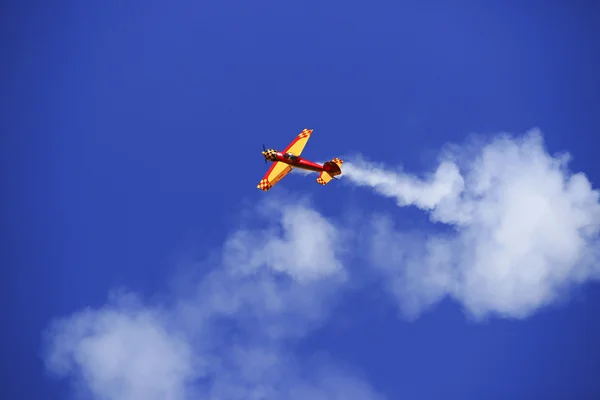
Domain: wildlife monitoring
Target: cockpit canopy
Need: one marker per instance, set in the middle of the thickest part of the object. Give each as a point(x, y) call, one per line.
point(290, 156)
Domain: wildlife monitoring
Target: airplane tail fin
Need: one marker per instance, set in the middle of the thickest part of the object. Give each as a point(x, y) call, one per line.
point(332, 169)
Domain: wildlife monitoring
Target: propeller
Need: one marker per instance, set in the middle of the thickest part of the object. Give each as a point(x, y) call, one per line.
point(264, 149)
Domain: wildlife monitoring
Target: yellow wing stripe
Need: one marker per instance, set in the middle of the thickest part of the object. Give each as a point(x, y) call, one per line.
point(274, 175)
point(298, 144)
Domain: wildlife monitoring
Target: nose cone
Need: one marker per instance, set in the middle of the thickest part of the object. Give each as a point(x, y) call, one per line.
point(264, 153)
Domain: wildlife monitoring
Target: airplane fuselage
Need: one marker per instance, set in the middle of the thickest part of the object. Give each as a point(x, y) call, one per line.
point(294, 161)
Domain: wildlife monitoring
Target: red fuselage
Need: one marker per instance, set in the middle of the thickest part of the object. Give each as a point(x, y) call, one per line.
point(294, 161)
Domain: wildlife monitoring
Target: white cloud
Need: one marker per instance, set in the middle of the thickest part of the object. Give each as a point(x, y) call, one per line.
point(525, 229)
point(123, 353)
point(306, 248)
point(228, 336)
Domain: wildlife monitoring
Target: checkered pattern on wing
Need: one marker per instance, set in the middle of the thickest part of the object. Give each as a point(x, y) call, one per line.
point(305, 133)
point(264, 185)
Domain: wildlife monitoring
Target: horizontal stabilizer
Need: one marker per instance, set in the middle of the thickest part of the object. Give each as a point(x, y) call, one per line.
point(324, 178)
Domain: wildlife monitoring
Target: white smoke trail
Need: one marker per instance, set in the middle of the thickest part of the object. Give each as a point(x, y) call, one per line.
point(526, 229)
point(406, 189)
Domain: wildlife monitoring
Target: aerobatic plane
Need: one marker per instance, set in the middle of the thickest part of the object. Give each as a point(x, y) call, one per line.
point(284, 161)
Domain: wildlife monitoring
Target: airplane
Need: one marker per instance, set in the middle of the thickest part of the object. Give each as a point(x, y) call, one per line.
point(284, 161)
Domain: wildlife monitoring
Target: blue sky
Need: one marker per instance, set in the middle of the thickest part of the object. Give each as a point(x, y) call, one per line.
point(141, 262)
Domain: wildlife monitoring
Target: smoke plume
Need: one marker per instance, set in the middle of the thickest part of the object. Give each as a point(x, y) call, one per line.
point(525, 228)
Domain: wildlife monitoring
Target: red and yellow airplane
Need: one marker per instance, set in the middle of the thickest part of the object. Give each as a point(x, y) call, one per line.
point(284, 161)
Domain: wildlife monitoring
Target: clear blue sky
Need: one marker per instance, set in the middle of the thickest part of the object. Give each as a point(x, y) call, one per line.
point(131, 139)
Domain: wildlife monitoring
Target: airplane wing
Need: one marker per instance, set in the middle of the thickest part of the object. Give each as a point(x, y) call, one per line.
point(299, 142)
point(276, 173)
